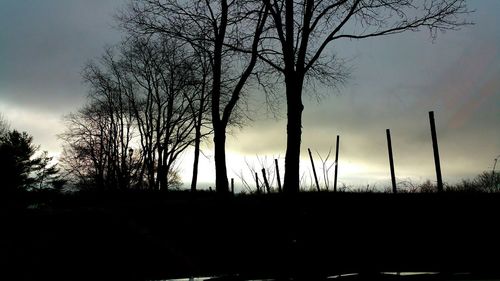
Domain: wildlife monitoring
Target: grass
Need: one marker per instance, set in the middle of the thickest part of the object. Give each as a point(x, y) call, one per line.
point(144, 235)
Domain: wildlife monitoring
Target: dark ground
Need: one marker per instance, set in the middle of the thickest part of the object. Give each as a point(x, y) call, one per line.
point(144, 236)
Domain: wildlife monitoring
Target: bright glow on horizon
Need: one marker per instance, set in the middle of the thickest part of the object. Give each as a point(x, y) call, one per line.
point(242, 167)
point(353, 171)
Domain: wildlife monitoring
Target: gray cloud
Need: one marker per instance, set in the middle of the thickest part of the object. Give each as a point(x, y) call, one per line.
point(45, 44)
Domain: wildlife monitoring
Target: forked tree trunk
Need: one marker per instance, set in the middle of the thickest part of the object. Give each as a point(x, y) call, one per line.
point(221, 184)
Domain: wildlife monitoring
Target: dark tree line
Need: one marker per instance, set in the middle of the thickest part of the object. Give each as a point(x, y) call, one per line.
point(227, 46)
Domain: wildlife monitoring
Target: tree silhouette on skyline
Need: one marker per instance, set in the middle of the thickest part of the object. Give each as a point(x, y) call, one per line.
point(216, 29)
point(20, 168)
point(299, 33)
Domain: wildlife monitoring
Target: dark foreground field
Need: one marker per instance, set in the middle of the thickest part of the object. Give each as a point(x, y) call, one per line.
point(144, 236)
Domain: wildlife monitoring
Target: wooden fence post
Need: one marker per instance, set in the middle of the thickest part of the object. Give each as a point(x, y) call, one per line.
point(278, 174)
point(493, 177)
point(314, 169)
point(265, 180)
point(257, 182)
point(391, 161)
point(336, 163)
point(435, 148)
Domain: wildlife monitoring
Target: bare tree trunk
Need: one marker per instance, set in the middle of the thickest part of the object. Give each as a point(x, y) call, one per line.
point(197, 141)
point(151, 174)
point(221, 182)
point(294, 134)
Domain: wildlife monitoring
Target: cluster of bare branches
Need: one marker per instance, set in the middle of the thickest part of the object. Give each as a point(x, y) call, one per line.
point(147, 104)
point(217, 29)
point(264, 175)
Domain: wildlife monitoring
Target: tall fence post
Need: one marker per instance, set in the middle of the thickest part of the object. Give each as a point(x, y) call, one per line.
point(435, 148)
point(232, 186)
point(257, 182)
point(391, 160)
point(314, 169)
point(493, 177)
point(278, 174)
point(336, 163)
point(266, 183)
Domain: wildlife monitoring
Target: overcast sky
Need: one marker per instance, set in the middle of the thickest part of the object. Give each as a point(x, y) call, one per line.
point(395, 82)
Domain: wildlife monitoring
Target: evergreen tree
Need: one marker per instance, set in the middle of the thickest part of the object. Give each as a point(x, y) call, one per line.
point(20, 169)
